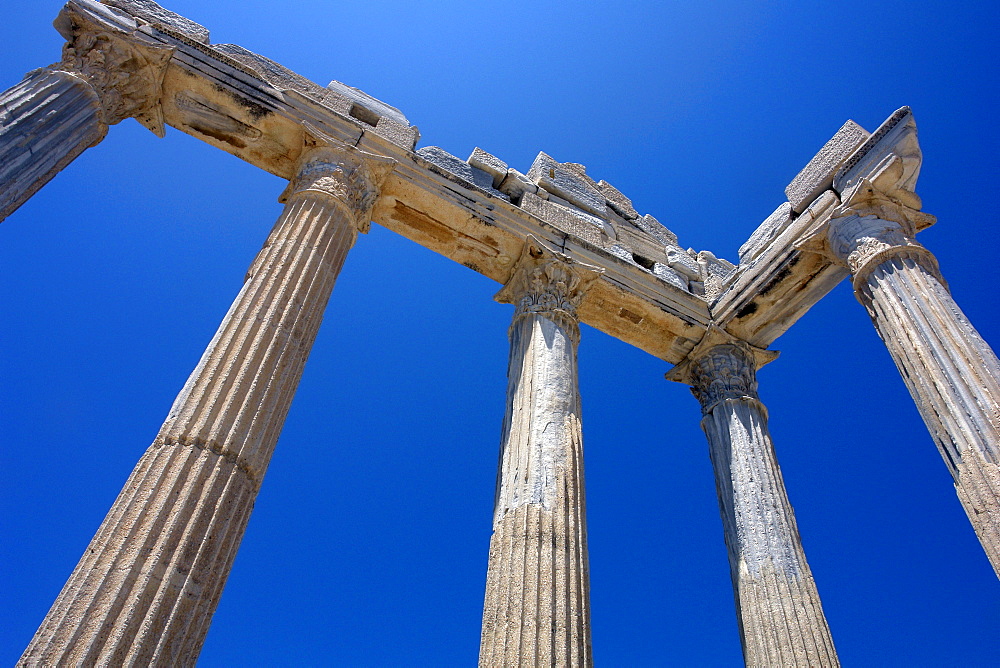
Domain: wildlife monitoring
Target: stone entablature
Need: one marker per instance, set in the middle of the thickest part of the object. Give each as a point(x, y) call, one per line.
point(568, 249)
point(655, 294)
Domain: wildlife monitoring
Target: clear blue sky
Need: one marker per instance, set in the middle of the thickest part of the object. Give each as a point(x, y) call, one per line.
point(368, 544)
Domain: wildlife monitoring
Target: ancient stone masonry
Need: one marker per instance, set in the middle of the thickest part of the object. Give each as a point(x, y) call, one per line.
point(537, 608)
point(568, 249)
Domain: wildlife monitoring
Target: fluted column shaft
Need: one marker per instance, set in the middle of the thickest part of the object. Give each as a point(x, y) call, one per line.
point(951, 372)
point(537, 610)
point(780, 614)
point(46, 121)
point(147, 586)
point(55, 113)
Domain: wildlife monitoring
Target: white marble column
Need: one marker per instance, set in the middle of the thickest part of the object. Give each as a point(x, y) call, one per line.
point(780, 615)
point(147, 586)
point(537, 610)
point(54, 114)
point(951, 372)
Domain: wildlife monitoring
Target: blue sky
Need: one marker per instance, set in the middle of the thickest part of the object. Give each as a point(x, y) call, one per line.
point(368, 543)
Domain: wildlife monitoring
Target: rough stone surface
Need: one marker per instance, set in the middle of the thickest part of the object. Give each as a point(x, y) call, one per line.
point(617, 201)
point(273, 73)
point(767, 232)
point(405, 136)
point(672, 276)
point(567, 183)
point(817, 176)
point(715, 273)
point(460, 168)
point(152, 13)
point(570, 220)
point(375, 106)
point(655, 229)
point(537, 610)
point(778, 604)
point(491, 164)
point(147, 586)
point(890, 159)
point(515, 184)
point(680, 260)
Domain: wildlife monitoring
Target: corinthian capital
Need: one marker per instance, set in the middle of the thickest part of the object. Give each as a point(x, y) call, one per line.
point(721, 368)
point(124, 67)
point(548, 282)
point(342, 172)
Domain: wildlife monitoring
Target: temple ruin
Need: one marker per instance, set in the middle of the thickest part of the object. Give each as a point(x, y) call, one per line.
point(565, 250)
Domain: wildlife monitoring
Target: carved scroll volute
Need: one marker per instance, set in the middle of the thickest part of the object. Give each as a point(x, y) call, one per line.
point(125, 68)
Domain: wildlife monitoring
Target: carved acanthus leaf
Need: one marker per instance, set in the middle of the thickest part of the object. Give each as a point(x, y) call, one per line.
point(547, 282)
point(125, 69)
point(343, 172)
point(721, 367)
point(726, 371)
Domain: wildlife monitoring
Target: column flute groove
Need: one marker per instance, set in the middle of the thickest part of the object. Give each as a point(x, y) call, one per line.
point(108, 72)
point(537, 589)
point(145, 591)
point(780, 615)
point(949, 370)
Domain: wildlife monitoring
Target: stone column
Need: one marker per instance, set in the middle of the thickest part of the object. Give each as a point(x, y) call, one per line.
point(780, 615)
point(951, 372)
point(106, 74)
point(147, 586)
point(537, 610)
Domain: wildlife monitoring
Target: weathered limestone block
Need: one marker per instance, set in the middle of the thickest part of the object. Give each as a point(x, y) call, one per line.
point(147, 586)
point(537, 610)
point(671, 276)
point(154, 14)
point(383, 119)
point(108, 73)
point(780, 614)
point(647, 249)
point(377, 108)
point(817, 176)
point(515, 184)
point(680, 260)
point(890, 159)
point(766, 232)
point(951, 372)
point(715, 273)
point(616, 200)
point(405, 136)
point(568, 219)
point(566, 181)
point(490, 164)
point(271, 72)
point(456, 167)
point(656, 229)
